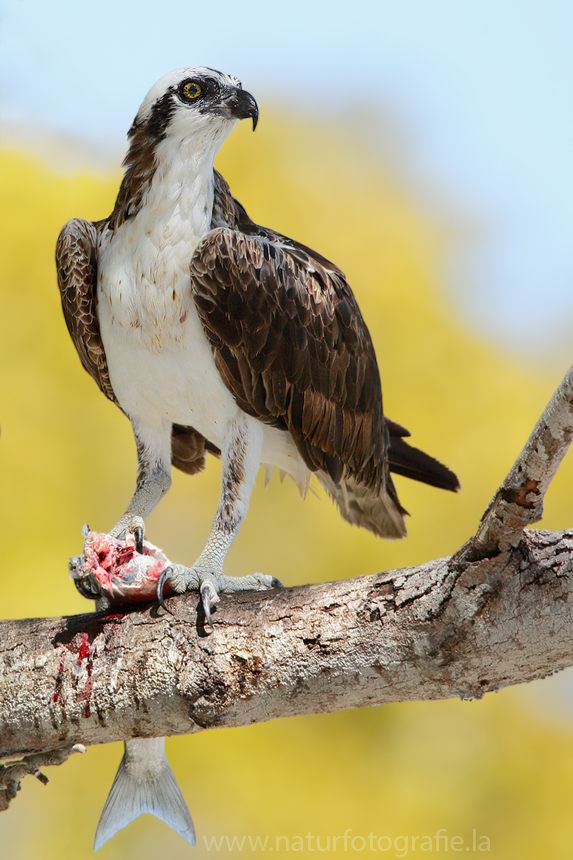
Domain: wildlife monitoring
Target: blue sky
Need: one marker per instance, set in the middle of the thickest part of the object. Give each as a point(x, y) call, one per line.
point(482, 88)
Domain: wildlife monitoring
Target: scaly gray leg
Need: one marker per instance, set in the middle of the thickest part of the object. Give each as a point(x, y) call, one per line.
point(153, 481)
point(241, 456)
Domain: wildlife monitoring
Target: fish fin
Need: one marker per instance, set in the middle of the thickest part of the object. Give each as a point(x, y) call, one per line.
point(144, 782)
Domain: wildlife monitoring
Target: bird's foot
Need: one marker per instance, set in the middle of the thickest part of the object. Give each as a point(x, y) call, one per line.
point(210, 584)
point(131, 529)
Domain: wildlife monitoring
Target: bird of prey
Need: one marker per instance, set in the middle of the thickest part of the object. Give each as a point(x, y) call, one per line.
point(216, 335)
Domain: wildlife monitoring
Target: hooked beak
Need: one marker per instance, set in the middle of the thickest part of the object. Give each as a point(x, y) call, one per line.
point(239, 104)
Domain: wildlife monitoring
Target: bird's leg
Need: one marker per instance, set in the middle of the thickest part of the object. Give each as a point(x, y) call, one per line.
point(241, 456)
point(153, 481)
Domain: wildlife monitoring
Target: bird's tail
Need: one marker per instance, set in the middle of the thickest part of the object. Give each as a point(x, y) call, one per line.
point(144, 782)
point(404, 459)
point(379, 512)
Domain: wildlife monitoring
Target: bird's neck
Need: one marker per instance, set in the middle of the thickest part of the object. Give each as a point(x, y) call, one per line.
point(175, 176)
point(183, 179)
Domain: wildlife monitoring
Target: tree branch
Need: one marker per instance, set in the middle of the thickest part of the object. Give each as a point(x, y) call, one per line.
point(519, 501)
point(498, 612)
point(12, 774)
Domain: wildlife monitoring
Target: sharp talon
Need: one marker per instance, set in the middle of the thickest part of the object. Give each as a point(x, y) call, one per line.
point(138, 535)
point(160, 586)
point(276, 583)
point(206, 591)
point(41, 776)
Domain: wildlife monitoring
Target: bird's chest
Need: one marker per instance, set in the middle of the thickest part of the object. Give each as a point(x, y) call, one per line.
point(160, 362)
point(144, 295)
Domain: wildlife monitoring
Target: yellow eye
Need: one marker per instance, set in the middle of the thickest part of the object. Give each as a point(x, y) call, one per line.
point(190, 90)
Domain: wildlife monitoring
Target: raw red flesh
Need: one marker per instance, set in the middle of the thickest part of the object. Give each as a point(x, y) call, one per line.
point(123, 574)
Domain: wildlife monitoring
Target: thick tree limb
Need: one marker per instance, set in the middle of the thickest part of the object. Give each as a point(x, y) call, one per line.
point(444, 629)
point(498, 612)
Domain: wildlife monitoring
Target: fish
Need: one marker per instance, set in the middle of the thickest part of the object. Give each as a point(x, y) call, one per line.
point(113, 573)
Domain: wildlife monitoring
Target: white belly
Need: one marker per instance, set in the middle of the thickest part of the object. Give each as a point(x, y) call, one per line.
point(166, 374)
point(161, 365)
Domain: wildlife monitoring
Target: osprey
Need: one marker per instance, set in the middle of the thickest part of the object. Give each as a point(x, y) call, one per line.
point(216, 335)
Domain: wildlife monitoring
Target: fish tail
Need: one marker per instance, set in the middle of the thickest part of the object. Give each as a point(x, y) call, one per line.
point(144, 782)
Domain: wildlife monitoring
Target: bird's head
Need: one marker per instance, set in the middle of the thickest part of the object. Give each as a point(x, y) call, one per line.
point(182, 122)
point(190, 103)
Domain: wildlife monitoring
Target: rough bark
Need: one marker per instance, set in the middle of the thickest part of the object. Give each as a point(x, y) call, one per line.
point(498, 612)
point(519, 501)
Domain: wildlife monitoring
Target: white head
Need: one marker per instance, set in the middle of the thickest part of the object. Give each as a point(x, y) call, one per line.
point(184, 119)
point(190, 102)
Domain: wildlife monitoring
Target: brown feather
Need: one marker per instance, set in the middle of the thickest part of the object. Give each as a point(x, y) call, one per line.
point(76, 265)
point(290, 342)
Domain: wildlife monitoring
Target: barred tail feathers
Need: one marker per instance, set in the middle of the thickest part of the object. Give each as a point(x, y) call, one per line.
point(379, 512)
point(144, 783)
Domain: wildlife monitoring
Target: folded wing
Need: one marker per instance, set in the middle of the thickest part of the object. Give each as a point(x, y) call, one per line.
point(291, 345)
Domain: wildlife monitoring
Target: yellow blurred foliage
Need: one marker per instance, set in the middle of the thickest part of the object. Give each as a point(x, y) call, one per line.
point(67, 457)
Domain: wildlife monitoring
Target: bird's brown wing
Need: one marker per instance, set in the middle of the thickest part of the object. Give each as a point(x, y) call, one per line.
point(292, 347)
point(76, 264)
